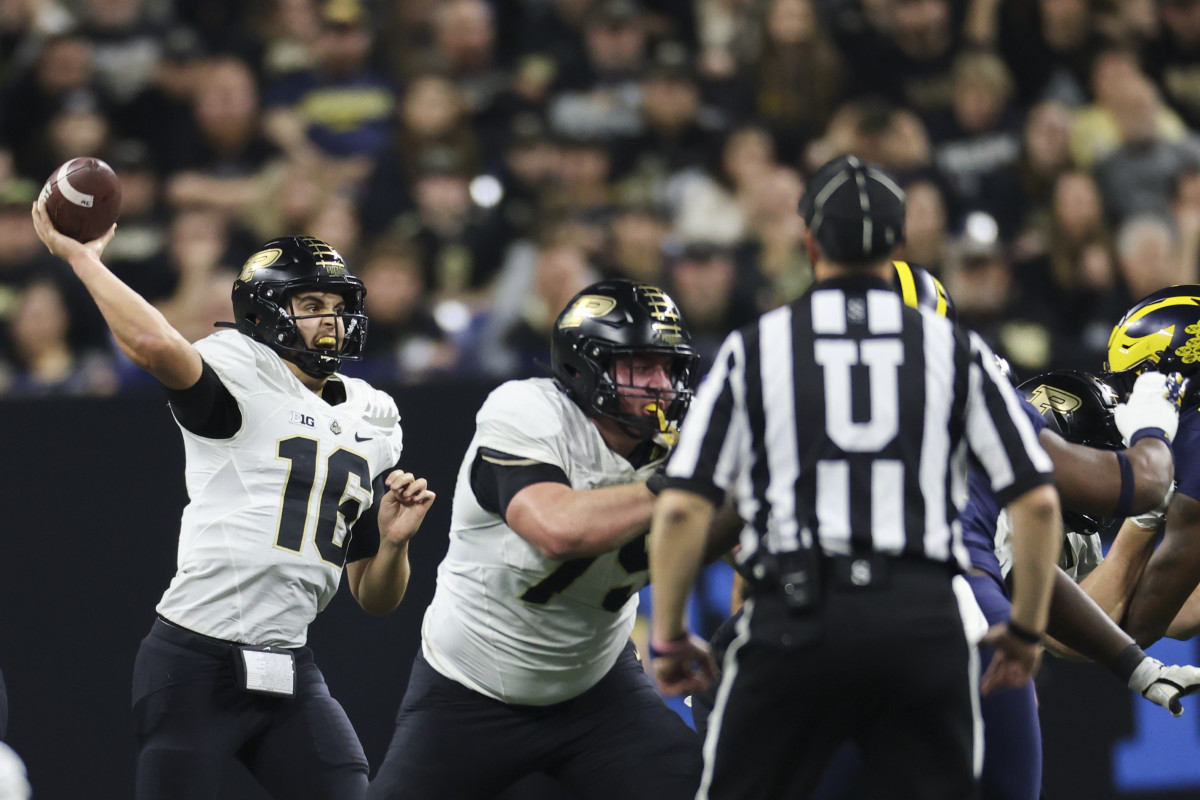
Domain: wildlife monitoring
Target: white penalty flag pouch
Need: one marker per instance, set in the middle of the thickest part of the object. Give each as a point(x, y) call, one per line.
point(266, 670)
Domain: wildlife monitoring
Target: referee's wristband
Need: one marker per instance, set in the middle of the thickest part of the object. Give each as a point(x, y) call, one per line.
point(1022, 634)
point(660, 648)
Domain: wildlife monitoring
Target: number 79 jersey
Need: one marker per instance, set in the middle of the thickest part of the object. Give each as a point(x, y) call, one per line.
point(506, 620)
point(264, 536)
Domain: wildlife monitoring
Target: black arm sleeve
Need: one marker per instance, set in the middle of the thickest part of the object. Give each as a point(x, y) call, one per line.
point(206, 408)
point(496, 477)
point(364, 535)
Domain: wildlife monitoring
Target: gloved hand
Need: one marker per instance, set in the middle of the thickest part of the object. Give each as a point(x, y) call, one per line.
point(1153, 406)
point(1163, 685)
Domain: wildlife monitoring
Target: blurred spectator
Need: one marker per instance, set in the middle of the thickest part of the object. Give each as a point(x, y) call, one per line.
point(341, 109)
point(893, 137)
point(771, 255)
point(138, 253)
point(636, 246)
point(529, 170)
point(24, 24)
point(926, 226)
point(1045, 154)
point(1073, 284)
point(78, 128)
point(198, 244)
point(290, 38)
point(1173, 58)
point(63, 71)
point(677, 132)
point(605, 101)
point(1050, 49)
point(908, 61)
point(465, 38)
point(702, 278)
point(799, 77)
point(128, 39)
point(1185, 211)
point(1137, 177)
point(406, 342)
point(977, 143)
point(41, 360)
point(432, 120)
point(729, 38)
point(1148, 254)
point(555, 29)
point(585, 164)
point(711, 205)
point(1116, 77)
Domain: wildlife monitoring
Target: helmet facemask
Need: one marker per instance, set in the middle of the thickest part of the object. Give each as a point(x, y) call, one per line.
point(667, 404)
point(280, 332)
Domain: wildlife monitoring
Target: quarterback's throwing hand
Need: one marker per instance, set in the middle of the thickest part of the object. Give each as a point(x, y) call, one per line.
point(403, 508)
point(683, 666)
point(1163, 685)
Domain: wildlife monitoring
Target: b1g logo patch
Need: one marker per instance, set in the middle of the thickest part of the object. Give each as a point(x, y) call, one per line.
point(1050, 398)
point(307, 421)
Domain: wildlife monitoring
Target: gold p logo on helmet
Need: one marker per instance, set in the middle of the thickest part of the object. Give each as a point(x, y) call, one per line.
point(1046, 398)
point(586, 307)
point(263, 258)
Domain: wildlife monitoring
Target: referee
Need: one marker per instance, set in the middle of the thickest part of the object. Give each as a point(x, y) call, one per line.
point(841, 426)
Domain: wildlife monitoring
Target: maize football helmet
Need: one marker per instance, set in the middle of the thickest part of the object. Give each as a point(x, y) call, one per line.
point(617, 319)
point(1160, 333)
point(921, 289)
point(262, 301)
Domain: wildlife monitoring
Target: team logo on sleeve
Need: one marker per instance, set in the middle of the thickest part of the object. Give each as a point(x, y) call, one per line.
point(1046, 399)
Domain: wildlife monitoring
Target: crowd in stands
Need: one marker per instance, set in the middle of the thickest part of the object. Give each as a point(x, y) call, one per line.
point(479, 161)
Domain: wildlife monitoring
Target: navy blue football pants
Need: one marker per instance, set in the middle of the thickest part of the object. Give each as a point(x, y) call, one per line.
point(1012, 736)
point(192, 720)
point(616, 740)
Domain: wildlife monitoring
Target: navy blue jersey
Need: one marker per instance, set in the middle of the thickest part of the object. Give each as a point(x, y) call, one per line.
point(1186, 449)
point(979, 517)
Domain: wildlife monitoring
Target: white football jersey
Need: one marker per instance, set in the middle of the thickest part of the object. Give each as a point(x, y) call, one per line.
point(1081, 553)
point(263, 537)
point(507, 621)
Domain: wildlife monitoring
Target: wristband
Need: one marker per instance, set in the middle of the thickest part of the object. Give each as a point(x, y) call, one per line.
point(656, 482)
point(1023, 634)
point(1125, 500)
point(1155, 433)
point(660, 648)
point(1126, 662)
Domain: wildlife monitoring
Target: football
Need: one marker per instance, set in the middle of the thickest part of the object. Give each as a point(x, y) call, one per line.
point(83, 198)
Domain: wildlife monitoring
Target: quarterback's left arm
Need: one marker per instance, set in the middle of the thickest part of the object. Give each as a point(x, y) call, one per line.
point(678, 541)
point(379, 582)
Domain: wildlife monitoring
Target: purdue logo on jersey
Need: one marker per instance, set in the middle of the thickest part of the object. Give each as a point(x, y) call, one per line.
point(588, 306)
point(263, 258)
point(1046, 398)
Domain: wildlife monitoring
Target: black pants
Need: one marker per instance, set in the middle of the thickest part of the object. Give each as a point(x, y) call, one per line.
point(192, 720)
point(616, 740)
point(887, 666)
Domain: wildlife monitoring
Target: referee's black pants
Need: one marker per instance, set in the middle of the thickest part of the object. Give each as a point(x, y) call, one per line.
point(887, 665)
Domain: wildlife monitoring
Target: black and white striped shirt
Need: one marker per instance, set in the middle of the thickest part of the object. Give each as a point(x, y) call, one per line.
point(848, 415)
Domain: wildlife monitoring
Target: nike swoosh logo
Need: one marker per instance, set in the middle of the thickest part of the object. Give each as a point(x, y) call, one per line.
point(358, 438)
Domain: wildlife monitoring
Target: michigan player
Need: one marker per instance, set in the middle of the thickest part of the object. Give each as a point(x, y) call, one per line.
point(1162, 333)
point(526, 664)
point(283, 456)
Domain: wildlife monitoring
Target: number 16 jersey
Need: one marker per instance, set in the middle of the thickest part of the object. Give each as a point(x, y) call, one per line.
point(266, 531)
point(506, 620)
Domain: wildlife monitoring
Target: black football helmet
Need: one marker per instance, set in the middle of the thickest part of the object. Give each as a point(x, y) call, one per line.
point(1078, 407)
point(617, 319)
point(262, 301)
point(921, 289)
point(1160, 333)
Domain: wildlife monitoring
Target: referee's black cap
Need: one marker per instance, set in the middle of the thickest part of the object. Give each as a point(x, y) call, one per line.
point(854, 210)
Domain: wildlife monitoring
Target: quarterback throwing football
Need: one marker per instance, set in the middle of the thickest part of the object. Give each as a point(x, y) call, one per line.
point(283, 457)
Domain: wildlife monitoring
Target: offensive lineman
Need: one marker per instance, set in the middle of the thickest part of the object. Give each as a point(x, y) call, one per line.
point(283, 456)
point(526, 664)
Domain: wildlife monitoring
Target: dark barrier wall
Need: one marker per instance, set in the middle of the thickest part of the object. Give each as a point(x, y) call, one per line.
point(92, 496)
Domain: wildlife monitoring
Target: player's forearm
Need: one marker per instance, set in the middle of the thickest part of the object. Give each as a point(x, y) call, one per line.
point(566, 523)
point(1153, 471)
point(1111, 583)
point(384, 580)
point(1077, 622)
point(1164, 588)
point(678, 537)
point(141, 331)
point(1037, 540)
